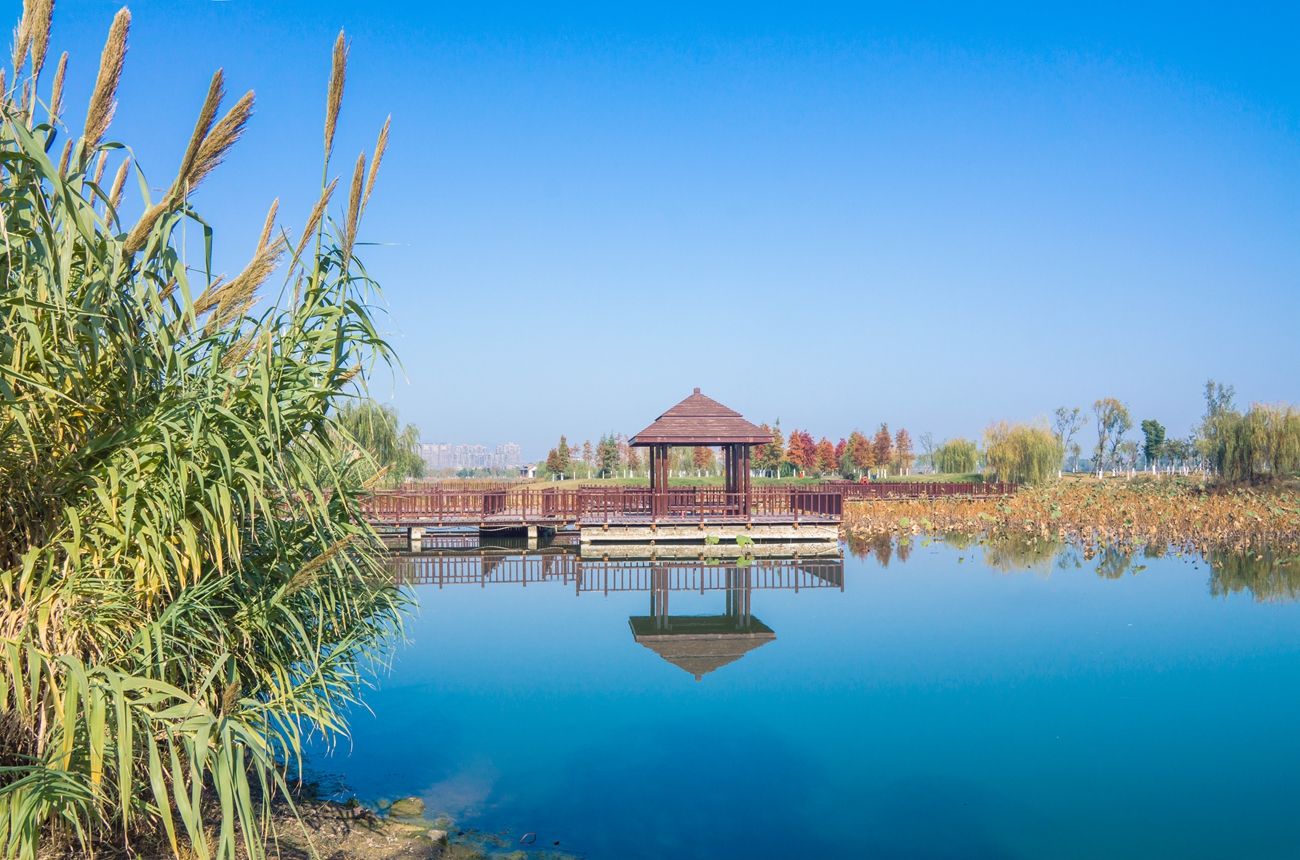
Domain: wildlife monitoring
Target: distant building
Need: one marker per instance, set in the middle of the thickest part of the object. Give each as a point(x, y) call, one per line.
point(443, 455)
point(529, 471)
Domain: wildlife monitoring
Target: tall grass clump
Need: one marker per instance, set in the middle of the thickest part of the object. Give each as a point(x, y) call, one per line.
point(956, 457)
point(1023, 453)
point(185, 584)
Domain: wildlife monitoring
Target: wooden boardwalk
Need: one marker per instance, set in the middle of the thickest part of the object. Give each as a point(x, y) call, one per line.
point(506, 506)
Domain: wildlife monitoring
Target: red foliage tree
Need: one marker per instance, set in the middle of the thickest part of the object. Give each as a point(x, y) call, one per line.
point(903, 450)
point(883, 447)
point(826, 460)
point(864, 456)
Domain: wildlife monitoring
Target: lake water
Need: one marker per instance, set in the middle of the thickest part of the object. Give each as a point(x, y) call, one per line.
point(935, 706)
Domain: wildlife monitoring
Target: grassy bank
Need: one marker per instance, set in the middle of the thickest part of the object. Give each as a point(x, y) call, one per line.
point(1166, 512)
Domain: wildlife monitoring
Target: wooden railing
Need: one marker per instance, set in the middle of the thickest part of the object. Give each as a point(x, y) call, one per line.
point(597, 504)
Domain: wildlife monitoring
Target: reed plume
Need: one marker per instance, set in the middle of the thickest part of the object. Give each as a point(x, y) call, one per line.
point(56, 94)
point(3, 91)
point(317, 213)
point(40, 30)
point(208, 113)
point(236, 296)
point(380, 146)
point(67, 155)
point(119, 183)
point(103, 100)
point(99, 167)
point(269, 225)
point(354, 208)
point(224, 135)
point(22, 38)
point(334, 100)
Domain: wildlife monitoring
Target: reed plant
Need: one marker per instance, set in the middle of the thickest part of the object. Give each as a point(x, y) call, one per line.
point(1023, 453)
point(186, 586)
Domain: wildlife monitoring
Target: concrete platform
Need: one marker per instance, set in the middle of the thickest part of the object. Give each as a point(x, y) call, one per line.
point(696, 533)
point(698, 552)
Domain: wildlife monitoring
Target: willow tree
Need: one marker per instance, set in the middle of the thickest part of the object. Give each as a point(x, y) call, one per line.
point(1023, 453)
point(185, 584)
point(956, 456)
point(391, 450)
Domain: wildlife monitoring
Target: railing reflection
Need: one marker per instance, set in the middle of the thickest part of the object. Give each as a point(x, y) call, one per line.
point(497, 567)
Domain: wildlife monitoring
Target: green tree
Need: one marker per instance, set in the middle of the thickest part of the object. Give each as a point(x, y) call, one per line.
point(376, 430)
point(1153, 433)
point(564, 459)
point(607, 455)
point(1113, 421)
point(189, 584)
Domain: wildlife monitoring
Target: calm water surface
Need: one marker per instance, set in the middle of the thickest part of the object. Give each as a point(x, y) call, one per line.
point(952, 705)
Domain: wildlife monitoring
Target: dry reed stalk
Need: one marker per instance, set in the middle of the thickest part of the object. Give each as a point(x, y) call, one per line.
point(40, 30)
point(102, 99)
point(56, 94)
point(119, 183)
point(380, 146)
point(334, 100)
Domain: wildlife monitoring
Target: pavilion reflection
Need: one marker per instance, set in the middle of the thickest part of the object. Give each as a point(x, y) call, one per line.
point(698, 644)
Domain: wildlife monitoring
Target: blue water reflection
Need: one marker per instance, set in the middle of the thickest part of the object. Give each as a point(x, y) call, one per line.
point(949, 700)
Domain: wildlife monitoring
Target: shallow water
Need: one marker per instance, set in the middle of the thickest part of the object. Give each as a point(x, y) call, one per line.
point(933, 707)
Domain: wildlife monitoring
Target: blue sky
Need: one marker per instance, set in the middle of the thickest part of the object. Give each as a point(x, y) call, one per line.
point(933, 218)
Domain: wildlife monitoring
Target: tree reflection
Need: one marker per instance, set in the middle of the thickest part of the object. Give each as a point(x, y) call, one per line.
point(881, 545)
point(1266, 575)
point(1113, 562)
point(1012, 553)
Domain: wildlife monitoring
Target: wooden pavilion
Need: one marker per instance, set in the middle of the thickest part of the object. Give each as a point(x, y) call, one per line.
point(701, 421)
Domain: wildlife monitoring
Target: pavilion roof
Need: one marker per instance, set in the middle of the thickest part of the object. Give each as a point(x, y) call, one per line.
point(700, 644)
point(700, 420)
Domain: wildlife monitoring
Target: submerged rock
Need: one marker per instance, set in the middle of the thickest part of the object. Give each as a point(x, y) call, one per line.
point(407, 807)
